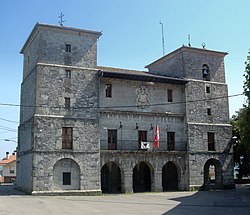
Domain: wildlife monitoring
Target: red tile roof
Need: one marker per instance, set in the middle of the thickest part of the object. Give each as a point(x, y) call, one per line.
point(5, 160)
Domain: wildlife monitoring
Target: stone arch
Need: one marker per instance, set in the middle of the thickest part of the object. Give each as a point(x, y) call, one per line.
point(142, 177)
point(212, 173)
point(66, 175)
point(111, 181)
point(170, 178)
point(205, 72)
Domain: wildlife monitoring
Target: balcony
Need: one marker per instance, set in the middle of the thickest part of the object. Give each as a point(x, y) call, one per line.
point(133, 145)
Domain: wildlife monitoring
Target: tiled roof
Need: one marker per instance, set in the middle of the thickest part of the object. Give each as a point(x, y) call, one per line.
point(5, 161)
point(109, 72)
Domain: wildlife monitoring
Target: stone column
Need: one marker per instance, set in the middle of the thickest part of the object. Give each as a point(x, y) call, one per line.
point(128, 182)
point(157, 183)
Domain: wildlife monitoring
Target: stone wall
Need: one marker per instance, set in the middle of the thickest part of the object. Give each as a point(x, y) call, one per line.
point(187, 62)
point(156, 95)
point(198, 101)
point(53, 86)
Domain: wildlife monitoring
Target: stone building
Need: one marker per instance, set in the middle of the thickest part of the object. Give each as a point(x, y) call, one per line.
point(85, 128)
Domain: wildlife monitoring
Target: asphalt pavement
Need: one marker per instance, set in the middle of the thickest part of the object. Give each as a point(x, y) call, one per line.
point(221, 202)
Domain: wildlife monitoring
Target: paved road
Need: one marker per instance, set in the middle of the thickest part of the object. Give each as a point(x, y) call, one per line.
point(223, 202)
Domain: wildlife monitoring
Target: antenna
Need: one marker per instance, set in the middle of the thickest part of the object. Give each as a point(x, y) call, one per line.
point(189, 44)
point(61, 21)
point(162, 37)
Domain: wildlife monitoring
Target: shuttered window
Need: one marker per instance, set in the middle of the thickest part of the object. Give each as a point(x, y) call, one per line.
point(67, 138)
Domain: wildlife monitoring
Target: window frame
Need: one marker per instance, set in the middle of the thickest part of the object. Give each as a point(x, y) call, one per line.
point(68, 48)
point(209, 111)
point(66, 178)
point(67, 102)
point(112, 139)
point(68, 73)
point(67, 138)
point(206, 75)
point(211, 141)
point(208, 90)
point(142, 136)
point(108, 90)
point(171, 141)
point(170, 95)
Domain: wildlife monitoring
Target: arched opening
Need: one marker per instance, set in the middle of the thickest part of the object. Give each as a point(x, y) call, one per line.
point(169, 177)
point(111, 178)
point(205, 72)
point(141, 178)
point(66, 175)
point(212, 174)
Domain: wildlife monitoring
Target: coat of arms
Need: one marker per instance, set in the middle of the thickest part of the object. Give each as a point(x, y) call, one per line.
point(142, 100)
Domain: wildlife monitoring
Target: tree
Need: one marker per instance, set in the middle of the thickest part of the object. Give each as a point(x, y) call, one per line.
point(245, 129)
point(241, 129)
point(241, 153)
point(246, 85)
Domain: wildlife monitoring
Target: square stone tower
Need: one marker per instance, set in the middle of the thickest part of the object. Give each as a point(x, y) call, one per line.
point(207, 114)
point(58, 146)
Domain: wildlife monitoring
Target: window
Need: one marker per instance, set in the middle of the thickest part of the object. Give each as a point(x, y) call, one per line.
point(67, 103)
point(68, 74)
point(66, 178)
point(207, 89)
point(108, 90)
point(67, 138)
point(67, 48)
point(210, 140)
point(205, 72)
point(171, 141)
point(12, 170)
point(142, 136)
point(209, 111)
point(112, 139)
point(170, 95)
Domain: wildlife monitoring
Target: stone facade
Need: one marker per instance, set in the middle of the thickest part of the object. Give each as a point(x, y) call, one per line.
point(105, 114)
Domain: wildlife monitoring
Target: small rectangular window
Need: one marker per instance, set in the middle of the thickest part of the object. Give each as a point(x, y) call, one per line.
point(112, 139)
point(209, 111)
point(210, 141)
point(67, 103)
point(67, 138)
point(66, 178)
point(108, 90)
point(68, 73)
point(171, 141)
point(207, 89)
point(67, 48)
point(170, 95)
point(142, 136)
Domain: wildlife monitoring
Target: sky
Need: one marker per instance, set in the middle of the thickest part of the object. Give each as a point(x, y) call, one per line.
point(131, 39)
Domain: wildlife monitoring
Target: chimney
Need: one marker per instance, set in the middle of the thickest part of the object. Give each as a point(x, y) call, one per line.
point(7, 155)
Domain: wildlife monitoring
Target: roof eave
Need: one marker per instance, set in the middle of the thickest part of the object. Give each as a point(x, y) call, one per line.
point(38, 25)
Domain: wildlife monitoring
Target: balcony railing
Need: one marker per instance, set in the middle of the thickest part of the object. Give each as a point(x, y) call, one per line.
point(134, 145)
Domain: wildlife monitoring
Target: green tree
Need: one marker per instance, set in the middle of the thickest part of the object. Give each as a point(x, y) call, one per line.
point(241, 129)
point(241, 153)
point(246, 85)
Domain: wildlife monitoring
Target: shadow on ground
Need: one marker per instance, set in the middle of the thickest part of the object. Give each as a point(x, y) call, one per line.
point(9, 190)
point(221, 202)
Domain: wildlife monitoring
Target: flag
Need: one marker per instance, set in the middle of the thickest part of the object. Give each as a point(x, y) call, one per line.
point(157, 138)
point(144, 145)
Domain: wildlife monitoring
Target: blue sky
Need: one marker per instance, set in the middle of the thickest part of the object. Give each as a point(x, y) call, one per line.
point(131, 38)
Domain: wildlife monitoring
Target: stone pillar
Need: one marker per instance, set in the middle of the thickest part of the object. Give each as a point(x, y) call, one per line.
point(157, 183)
point(128, 182)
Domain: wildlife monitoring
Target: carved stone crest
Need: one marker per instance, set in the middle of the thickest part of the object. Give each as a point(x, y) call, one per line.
point(142, 100)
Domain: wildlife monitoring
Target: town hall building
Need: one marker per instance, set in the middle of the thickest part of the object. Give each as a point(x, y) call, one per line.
point(90, 129)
